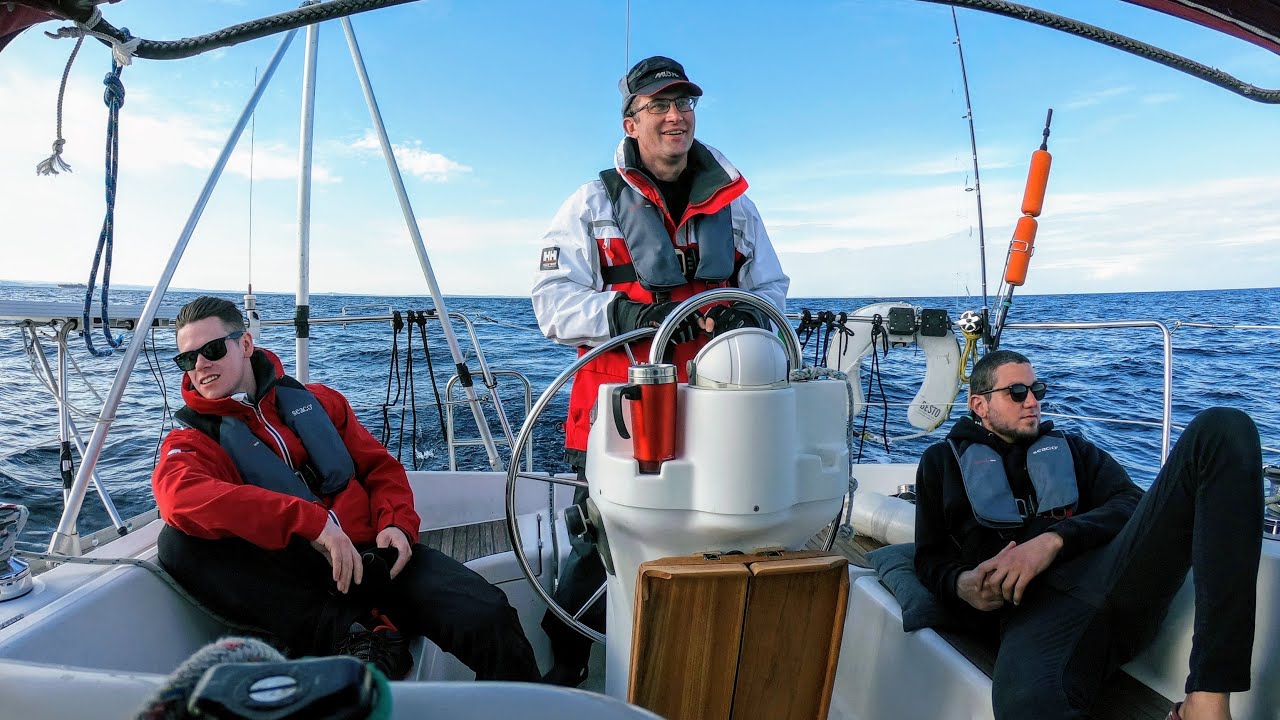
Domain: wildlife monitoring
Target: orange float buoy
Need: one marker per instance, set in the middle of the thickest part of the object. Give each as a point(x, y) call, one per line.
point(1020, 249)
point(1037, 183)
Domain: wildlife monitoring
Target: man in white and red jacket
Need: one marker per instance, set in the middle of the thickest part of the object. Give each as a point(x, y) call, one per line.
point(671, 219)
point(284, 513)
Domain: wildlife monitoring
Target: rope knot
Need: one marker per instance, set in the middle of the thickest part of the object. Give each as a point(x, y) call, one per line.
point(113, 96)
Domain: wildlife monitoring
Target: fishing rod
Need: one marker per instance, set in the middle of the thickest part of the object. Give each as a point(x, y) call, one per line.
point(977, 181)
point(1022, 245)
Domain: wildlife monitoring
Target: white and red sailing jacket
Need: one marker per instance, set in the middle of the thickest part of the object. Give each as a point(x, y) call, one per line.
point(585, 247)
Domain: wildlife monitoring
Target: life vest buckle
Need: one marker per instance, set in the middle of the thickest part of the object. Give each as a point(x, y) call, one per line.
point(688, 259)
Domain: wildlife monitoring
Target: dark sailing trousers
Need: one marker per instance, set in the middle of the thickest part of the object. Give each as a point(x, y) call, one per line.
point(290, 595)
point(1081, 621)
point(580, 576)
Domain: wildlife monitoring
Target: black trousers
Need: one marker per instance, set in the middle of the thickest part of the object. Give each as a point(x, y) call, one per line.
point(580, 576)
point(1082, 620)
point(290, 595)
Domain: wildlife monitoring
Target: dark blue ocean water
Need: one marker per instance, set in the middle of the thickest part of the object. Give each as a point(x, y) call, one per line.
point(1112, 374)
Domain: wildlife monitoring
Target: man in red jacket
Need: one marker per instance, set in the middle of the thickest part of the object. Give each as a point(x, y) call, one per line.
point(284, 513)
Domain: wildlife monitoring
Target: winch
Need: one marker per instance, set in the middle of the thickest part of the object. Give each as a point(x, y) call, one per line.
point(15, 575)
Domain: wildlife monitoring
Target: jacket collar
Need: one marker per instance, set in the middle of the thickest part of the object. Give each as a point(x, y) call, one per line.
point(715, 178)
point(267, 369)
point(968, 430)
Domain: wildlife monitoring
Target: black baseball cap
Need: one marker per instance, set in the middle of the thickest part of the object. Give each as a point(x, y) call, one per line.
point(653, 75)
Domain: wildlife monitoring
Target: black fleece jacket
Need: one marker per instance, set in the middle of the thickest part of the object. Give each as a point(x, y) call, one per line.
point(949, 539)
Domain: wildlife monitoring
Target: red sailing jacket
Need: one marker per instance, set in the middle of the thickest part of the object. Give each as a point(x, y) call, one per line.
point(200, 492)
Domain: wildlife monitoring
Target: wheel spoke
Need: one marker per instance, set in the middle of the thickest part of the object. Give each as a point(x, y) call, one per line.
point(572, 482)
point(595, 597)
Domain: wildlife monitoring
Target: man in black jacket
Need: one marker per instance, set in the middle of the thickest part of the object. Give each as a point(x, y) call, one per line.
point(1040, 537)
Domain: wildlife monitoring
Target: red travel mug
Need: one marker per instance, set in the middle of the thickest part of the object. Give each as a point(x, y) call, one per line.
point(652, 392)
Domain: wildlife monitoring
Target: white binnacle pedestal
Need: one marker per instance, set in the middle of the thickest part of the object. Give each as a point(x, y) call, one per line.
point(754, 468)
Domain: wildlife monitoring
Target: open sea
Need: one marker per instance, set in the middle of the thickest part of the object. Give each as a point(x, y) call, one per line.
point(1091, 374)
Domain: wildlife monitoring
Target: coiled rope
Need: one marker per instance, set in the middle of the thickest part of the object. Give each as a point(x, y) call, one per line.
point(113, 96)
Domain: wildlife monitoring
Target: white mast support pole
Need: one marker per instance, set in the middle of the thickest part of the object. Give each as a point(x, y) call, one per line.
point(302, 303)
point(464, 374)
point(64, 540)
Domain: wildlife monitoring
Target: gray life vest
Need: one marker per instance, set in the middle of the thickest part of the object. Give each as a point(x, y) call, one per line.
point(1053, 475)
point(654, 260)
point(329, 467)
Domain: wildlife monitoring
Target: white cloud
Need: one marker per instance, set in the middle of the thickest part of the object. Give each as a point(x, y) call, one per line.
point(154, 140)
point(1096, 98)
point(422, 164)
point(918, 242)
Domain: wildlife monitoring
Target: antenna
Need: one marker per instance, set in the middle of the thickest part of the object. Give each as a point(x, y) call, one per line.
point(973, 145)
point(250, 300)
point(627, 60)
point(253, 127)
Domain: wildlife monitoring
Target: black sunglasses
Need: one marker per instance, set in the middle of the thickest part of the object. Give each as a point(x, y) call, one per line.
point(212, 351)
point(1018, 391)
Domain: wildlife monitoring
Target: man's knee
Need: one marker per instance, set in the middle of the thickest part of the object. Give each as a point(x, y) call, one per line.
point(1224, 422)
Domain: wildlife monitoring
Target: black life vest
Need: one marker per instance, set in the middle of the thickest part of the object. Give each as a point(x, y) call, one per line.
point(1053, 475)
point(654, 261)
point(329, 467)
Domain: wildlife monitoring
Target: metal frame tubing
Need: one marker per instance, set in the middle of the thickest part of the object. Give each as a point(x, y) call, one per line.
point(394, 170)
point(64, 540)
point(67, 430)
point(1167, 405)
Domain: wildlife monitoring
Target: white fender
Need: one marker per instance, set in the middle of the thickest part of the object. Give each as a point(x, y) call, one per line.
point(932, 403)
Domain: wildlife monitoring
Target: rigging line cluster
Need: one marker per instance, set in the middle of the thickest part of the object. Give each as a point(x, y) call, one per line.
point(825, 323)
point(878, 332)
point(405, 385)
point(48, 383)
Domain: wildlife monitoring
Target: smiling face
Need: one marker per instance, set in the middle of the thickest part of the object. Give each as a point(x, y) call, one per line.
point(1012, 421)
point(230, 374)
point(664, 140)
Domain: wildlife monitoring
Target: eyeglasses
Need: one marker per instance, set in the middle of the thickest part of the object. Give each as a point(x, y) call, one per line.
point(1018, 391)
point(212, 351)
point(662, 106)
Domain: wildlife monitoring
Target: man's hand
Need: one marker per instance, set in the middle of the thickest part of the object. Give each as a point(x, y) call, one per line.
point(971, 586)
point(723, 318)
point(1009, 572)
point(626, 315)
point(341, 554)
point(392, 536)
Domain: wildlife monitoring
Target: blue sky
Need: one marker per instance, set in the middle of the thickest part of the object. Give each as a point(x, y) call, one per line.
point(845, 117)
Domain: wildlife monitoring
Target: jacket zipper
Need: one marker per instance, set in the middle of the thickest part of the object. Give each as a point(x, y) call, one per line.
point(275, 435)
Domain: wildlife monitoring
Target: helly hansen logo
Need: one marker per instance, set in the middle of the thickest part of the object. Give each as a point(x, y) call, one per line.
point(305, 408)
point(1044, 449)
point(550, 258)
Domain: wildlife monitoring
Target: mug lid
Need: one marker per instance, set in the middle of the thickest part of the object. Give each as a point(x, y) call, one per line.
point(648, 374)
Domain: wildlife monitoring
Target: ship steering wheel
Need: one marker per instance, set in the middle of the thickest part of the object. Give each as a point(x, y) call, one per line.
point(664, 333)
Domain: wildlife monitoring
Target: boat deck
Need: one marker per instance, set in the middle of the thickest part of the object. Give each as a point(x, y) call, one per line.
point(1123, 698)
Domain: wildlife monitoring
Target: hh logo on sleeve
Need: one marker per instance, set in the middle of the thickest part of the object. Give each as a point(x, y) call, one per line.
point(550, 258)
